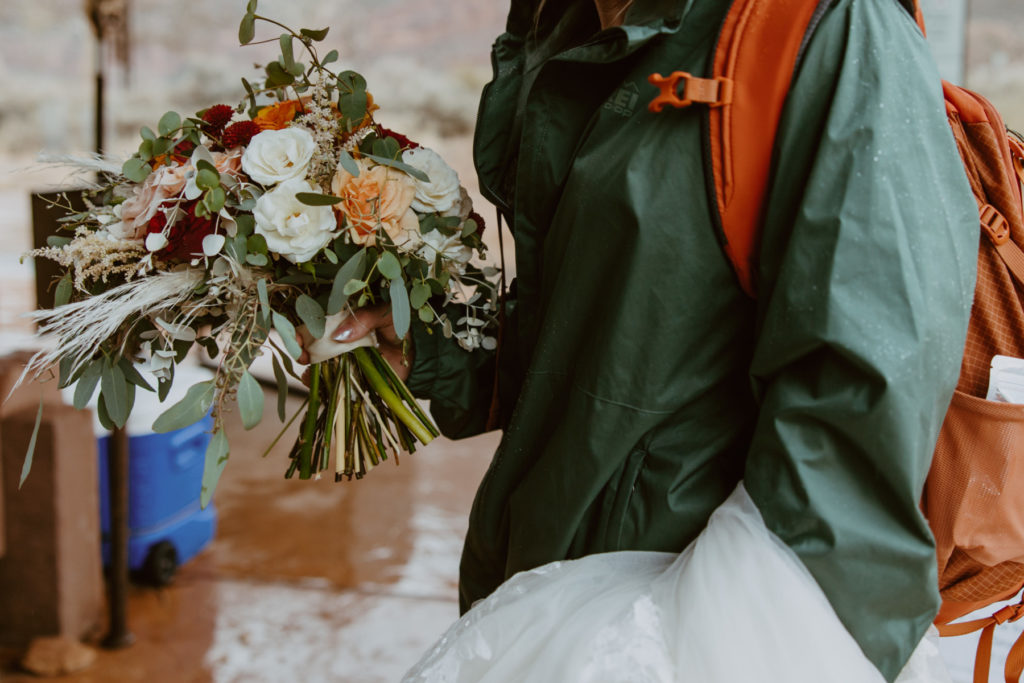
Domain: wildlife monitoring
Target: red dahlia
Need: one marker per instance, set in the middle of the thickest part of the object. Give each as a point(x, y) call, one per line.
point(185, 239)
point(403, 142)
point(240, 133)
point(216, 117)
point(479, 220)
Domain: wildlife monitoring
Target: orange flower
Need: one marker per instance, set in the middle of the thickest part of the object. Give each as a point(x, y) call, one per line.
point(278, 116)
point(377, 197)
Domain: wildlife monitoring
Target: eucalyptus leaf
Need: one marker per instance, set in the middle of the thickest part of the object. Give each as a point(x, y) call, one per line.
point(348, 163)
point(216, 460)
point(63, 293)
point(236, 248)
point(136, 170)
point(286, 50)
point(188, 410)
point(30, 453)
point(256, 244)
point(352, 270)
point(331, 56)
point(86, 385)
point(132, 374)
point(147, 133)
point(258, 260)
point(261, 290)
point(163, 388)
point(169, 122)
point(420, 293)
point(162, 146)
point(250, 93)
point(400, 307)
point(207, 179)
point(311, 314)
point(406, 168)
point(245, 223)
point(250, 400)
point(181, 348)
point(247, 29)
point(202, 164)
point(317, 199)
point(210, 344)
point(57, 241)
point(102, 416)
point(287, 332)
point(64, 375)
point(316, 35)
point(114, 388)
point(353, 106)
point(331, 256)
point(351, 81)
point(278, 75)
point(353, 286)
point(215, 200)
point(389, 266)
point(282, 388)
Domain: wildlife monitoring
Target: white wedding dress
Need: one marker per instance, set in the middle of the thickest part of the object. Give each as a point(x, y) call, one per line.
point(736, 605)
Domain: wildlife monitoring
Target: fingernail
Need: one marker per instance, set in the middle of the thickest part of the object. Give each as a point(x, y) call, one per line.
point(343, 334)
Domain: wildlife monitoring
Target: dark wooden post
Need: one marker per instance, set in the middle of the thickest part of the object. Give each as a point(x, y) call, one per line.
point(117, 453)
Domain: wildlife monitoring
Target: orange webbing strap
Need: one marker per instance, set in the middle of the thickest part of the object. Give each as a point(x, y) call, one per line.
point(742, 133)
point(987, 626)
point(995, 225)
point(1017, 152)
point(919, 16)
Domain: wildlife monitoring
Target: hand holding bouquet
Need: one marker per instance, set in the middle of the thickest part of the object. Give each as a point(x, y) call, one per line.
point(224, 226)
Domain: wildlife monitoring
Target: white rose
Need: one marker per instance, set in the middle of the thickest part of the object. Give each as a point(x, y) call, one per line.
point(463, 207)
point(454, 254)
point(275, 156)
point(292, 229)
point(442, 192)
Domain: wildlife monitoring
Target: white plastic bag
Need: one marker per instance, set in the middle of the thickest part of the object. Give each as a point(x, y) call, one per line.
point(1006, 380)
point(736, 605)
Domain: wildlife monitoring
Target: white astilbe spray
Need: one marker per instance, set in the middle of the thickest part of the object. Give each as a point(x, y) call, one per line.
point(81, 327)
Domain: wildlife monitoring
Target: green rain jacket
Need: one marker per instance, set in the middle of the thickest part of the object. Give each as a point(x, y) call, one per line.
point(642, 384)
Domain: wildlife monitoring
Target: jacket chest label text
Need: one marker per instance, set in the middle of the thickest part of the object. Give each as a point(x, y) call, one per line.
point(624, 100)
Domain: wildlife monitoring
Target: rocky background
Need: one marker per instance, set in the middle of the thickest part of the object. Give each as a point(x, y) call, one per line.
point(425, 60)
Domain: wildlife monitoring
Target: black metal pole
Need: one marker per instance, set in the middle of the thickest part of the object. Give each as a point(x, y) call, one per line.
point(118, 635)
point(117, 476)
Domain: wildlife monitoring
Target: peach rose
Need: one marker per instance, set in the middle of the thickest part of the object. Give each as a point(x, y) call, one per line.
point(136, 211)
point(378, 196)
point(229, 162)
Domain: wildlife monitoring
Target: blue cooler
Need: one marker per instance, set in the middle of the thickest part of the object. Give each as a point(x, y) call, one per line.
point(166, 526)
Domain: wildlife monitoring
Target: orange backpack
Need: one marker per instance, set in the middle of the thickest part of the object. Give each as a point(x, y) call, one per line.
point(974, 495)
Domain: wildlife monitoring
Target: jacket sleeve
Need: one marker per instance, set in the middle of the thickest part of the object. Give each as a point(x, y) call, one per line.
point(459, 384)
point(866, 279)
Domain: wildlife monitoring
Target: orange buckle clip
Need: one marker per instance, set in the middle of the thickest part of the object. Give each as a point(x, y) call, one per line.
point(714, 92)
point(1009, 613)
point(997, 227)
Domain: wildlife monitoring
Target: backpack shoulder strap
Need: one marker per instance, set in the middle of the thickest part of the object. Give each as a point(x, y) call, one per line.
point(744, 105)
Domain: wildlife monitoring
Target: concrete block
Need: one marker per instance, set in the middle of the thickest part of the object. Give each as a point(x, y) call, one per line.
point(51, 580)
point(27, 395)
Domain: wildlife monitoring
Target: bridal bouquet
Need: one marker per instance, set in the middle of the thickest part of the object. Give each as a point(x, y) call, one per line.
point(284, 213)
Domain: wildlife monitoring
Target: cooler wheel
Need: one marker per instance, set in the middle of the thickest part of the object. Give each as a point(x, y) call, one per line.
point(161, 563)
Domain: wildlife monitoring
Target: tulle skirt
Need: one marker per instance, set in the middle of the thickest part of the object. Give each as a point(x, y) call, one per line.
point(736, 605)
